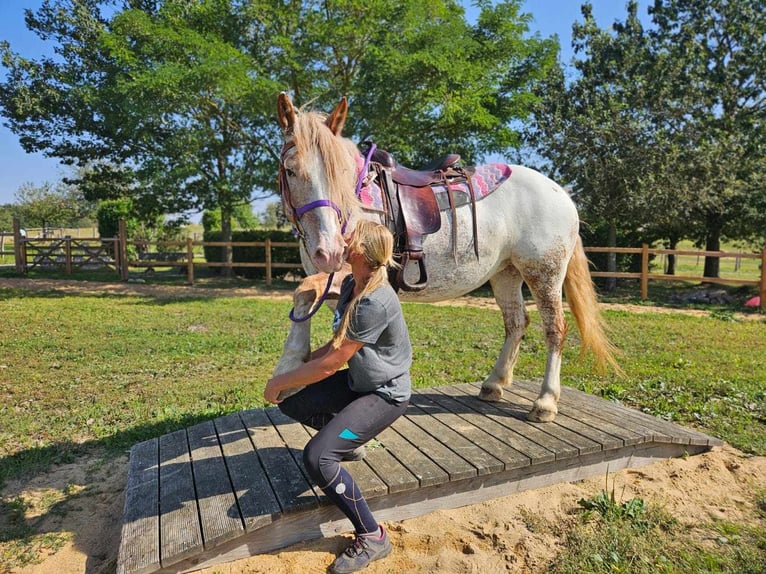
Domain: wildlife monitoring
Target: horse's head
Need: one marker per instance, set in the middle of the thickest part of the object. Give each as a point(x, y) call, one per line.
point(317, 180)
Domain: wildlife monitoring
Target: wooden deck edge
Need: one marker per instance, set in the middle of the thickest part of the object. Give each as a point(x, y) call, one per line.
point(327, 521)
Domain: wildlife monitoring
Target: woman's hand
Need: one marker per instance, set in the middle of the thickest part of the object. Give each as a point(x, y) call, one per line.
point(271, 392)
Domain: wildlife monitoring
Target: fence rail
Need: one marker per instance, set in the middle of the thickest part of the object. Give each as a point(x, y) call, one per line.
point(72, 253)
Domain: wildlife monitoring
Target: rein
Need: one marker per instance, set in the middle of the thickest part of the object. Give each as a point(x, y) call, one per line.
point(297, 213)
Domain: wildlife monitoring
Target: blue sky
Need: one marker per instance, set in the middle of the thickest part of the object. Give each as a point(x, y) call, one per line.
point(17, 167)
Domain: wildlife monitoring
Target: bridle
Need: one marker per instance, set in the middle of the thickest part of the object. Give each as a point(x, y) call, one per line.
point(294, 214)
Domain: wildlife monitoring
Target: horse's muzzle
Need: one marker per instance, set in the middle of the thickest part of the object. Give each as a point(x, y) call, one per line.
point(329, 260)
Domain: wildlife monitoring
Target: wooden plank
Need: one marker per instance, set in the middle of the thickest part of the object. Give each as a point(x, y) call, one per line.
point(427, 472)
point(390, 470)
point(257, 502)
point(584, 438)
point(455, 466)
point(522, 435)
point(663, 431)
point(220, 518)
point(628, 436)
point(483, 431)
point(180, 534)
point(295, 437)
point(287, 480)
point(140, 538)
point(609, 412)
point(441, 425)
point(514, 417)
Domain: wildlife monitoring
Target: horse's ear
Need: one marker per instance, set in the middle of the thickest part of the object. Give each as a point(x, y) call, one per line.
point(338, 117)
point(285, 112)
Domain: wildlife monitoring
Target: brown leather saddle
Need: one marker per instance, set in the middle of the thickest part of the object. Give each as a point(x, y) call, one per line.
point(412, 209)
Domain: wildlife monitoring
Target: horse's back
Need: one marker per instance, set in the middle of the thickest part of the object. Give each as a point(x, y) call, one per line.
point(532, 208)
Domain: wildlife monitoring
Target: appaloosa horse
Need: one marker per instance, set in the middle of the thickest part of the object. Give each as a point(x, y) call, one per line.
point(514, 226)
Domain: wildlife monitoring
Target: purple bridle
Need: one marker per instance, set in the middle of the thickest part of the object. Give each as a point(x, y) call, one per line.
point(294, 215)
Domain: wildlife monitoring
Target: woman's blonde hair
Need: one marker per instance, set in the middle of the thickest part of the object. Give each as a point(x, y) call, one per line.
point(375, 242)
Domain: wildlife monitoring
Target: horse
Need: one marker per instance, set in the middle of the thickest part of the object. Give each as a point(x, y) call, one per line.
point(525, 231)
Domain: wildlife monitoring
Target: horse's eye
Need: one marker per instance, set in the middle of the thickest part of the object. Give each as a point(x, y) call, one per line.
point(289, 172)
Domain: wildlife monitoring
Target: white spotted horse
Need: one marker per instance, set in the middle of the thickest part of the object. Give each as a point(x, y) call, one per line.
point(456, 229)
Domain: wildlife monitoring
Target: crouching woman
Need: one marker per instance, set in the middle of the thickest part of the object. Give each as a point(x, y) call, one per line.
point(350, 406)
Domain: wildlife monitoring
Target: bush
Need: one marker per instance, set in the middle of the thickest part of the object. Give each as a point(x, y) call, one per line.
point(255, 254)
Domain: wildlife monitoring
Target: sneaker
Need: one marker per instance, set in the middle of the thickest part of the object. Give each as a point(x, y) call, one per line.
point(357, 454)
point(363, 550)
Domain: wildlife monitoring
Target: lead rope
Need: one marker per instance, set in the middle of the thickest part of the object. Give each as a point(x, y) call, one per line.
point(318, 304)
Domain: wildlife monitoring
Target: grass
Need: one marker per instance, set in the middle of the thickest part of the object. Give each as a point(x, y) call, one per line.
point(84, 374)
point(622, 537)
point(105, 370)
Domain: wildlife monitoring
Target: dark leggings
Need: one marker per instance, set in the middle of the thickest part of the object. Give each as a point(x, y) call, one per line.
point(345, 420)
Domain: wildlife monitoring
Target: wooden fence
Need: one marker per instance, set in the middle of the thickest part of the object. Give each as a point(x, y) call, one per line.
point(74, 253)
point(645, 275)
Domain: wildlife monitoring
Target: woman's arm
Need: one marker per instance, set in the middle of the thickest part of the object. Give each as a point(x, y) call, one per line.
point(313, 371)
point(320, 352)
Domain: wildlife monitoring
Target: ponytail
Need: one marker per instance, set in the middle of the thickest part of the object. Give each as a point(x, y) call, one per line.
point(375, 242)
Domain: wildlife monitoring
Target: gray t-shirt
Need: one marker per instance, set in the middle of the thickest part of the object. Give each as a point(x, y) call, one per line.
point(382, 365)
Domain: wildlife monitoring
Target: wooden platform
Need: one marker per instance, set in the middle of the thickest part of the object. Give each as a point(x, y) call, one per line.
point(234, 487)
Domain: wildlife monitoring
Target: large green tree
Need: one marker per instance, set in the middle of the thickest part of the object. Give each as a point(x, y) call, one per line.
point(710, 56)
point(174, 101)
point(660, 132)
point(597, 133)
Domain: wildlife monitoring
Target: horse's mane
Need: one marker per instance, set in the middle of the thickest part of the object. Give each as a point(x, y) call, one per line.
point(339, 155)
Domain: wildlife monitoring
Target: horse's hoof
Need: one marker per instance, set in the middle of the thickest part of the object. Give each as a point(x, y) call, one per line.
point(538, 415)
point(491, 395)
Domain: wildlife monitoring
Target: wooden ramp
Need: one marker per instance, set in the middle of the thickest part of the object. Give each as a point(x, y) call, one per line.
point(235, 486)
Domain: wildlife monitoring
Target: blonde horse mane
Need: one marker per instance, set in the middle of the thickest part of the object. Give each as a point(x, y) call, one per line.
point(311, 133)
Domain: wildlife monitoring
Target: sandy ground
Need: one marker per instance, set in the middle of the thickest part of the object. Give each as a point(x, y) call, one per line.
point(518, 533)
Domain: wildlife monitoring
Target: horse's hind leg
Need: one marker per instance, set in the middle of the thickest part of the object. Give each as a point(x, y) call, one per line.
point(546, 288)
point(506, 286)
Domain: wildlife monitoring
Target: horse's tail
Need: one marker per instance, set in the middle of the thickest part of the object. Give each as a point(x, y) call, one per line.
point(581, 297)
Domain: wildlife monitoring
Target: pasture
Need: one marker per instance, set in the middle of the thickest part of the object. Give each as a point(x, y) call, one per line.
point(85, 374)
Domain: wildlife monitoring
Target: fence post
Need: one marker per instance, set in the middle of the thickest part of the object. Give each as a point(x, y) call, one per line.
point(644, 272)
point(763, 279)
point(19, 254)
point(122, 249)
point(189, 260)
point(268, 261)
point(68, 255)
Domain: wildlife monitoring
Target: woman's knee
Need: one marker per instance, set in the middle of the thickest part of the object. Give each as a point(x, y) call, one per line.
point(318, 461)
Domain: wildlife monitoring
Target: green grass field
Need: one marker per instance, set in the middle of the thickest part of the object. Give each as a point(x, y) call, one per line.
point(93, 374)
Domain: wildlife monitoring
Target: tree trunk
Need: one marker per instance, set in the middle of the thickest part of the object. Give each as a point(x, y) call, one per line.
point(611, 258)
point(712, 243)
point(228, 251)
point(672, 244)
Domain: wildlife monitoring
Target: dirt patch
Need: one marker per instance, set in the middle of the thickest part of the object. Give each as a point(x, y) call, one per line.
point(517, 533)
point(190, 291)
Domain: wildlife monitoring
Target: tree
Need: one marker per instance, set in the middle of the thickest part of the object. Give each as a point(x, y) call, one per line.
point(45, 205)
point(597, 130)
point(174, 100)
point(711, 61)
point(6, 218)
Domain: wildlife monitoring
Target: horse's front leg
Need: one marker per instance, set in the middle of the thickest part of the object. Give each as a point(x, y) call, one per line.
point(297, 347)
point(506, 286)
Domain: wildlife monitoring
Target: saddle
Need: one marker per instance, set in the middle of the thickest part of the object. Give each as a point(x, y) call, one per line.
point(413, 212)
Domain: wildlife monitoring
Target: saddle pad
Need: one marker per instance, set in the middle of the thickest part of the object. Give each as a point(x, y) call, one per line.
point(485, 179)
